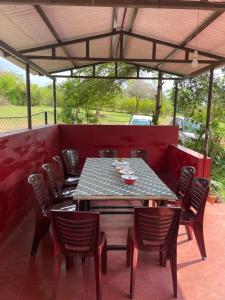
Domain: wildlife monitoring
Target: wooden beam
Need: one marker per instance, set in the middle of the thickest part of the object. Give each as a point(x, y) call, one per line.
point(50, 27)
point(168, 4)
point(54, 100)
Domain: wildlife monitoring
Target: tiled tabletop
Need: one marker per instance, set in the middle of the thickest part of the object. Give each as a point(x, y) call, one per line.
point(100, 181)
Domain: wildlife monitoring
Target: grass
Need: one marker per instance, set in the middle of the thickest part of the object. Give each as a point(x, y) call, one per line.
point(114, 118)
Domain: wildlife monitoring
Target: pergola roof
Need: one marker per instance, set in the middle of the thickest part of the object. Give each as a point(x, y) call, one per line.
point(55, 38)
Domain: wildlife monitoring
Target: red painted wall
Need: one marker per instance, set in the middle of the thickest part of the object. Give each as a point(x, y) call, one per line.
point(88, 139)
point(180, 156)
point(22, 153)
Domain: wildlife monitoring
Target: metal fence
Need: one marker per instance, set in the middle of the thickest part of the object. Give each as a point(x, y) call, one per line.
point(20, 122)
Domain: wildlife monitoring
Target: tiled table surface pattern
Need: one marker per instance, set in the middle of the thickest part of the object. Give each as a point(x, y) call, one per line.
point(101, 181)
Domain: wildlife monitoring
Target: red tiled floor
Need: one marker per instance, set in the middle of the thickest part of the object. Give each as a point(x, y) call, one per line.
point(23, 277)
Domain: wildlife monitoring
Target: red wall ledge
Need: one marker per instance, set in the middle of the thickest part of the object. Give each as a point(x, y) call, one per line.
point(180, 156)
point(89, 139)
point(22, 153)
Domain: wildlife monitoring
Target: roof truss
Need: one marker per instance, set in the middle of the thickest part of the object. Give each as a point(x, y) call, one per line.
point(168, 4)
point(88, 39)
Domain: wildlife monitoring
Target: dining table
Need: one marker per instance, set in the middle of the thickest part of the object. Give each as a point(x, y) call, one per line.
point(100, 181)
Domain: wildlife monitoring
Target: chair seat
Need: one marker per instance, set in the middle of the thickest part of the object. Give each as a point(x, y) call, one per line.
point(187, 216)
point(66, 193)
point(67, 205)
point(71, 181)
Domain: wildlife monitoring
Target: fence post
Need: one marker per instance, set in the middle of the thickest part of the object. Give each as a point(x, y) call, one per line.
point(46, 117)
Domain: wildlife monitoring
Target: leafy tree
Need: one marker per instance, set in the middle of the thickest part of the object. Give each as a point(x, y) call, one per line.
point(140, 90)
point(13, 88)
point(81, 97)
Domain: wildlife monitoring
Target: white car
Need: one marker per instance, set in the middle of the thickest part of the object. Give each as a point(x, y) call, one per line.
point(188, 129)
point(140, 120)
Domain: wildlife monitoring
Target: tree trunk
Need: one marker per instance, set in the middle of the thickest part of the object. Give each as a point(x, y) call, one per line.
point(137, 104)
point(157, 100)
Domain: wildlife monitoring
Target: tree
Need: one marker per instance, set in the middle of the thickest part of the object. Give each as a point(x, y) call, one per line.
point(140, 89)
point(81, 97)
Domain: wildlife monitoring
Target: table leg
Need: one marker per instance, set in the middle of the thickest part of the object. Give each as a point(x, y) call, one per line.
point(84, 205)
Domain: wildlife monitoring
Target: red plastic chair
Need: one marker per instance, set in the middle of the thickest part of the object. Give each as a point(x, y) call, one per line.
point(43, 205)
point(186, 177)
point(140, 153)
point(64, 182)
point(155, 229)
point(108, 153)
point(71, 162)
point(78, 233)
point(193, 214)
point(56, 188)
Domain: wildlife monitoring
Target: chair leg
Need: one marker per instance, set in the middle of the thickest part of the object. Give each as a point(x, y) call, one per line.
point(173, 265)
point(162, 258)
point(104, 258)
point(133, 270)
point(98, 268)
point(69, 263)
point(189, 232)
point(56, 271)
point(129, 244)
point(199, 235)
point(41, 227)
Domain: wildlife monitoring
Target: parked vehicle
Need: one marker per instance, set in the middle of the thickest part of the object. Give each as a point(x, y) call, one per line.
point(140, 120)
point(188, 129)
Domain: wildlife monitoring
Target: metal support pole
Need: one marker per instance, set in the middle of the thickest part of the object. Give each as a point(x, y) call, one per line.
point(46, 117)
point(29, 121)
point(175, 103)
point(208, 115)
point(54, 99)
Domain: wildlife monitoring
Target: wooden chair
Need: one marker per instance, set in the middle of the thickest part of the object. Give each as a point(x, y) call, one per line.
point(193, 214)
point(78, 233)
point(71, 162)
point(140, 153)
point(64, 182)
point(108, 153)
point(57, 190)
point(43, 205)
point(155, 229)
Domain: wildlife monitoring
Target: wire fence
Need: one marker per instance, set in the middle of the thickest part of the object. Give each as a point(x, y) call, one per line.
point(20, 122)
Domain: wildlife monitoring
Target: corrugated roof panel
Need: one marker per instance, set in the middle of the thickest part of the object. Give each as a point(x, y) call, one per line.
point(172, 25)
point(184, 69)
point(100, 48)
point(78, 49)
point(137, 48)
point(74, 21)
point(212, 39)
point(52, 65)
point(21, 27)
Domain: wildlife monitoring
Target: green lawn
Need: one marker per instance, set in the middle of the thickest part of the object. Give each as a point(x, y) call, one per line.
point(114, 118)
